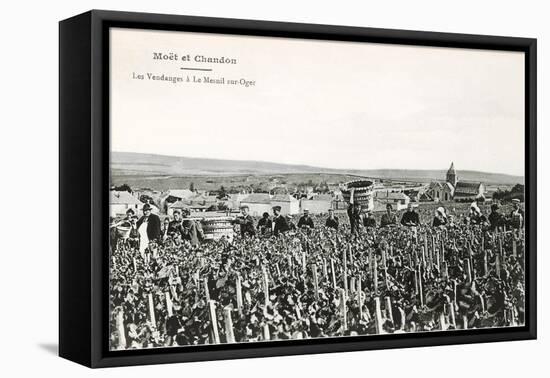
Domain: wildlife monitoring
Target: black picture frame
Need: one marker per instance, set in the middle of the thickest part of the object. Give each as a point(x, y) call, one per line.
point(84, 177)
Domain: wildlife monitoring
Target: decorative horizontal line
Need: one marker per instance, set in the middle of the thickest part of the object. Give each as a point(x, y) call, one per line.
point(196, 69)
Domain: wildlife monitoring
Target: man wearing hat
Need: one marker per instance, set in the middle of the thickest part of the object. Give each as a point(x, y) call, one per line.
point(148, 227)
point(496, 220)
point(265, 225)
point(410, 217)
point(517, 216)
point(175, 229)
point(280, 225)
point(332, 221)
point(129, 214)
point(388, 218)
point(131, 221)
point(305, 220)
point(246, 223)
point(133, 239)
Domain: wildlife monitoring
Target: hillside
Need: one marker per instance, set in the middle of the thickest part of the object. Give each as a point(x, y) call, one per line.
point(136, 164)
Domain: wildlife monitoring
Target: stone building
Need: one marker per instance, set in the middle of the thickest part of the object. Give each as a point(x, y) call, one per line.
point(454, 189)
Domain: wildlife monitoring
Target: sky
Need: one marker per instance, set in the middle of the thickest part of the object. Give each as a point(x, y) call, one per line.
point(329, 104)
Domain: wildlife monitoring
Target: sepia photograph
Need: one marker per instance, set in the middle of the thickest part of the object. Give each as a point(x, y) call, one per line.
point(268, 189)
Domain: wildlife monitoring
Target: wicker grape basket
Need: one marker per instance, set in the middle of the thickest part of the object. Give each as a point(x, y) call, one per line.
point(360, 192)
point(123, 231)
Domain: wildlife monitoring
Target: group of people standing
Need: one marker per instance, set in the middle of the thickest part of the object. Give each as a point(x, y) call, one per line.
point(358, 218)
point(148, 227)
point(278, 223)
point(411, 218)
point(141, 231)
point(137, 231)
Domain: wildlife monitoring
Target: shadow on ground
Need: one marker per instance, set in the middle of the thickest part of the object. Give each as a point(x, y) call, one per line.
point(51, 348)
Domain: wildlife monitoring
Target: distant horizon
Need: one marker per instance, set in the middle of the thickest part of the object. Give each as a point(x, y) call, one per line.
point(322, 167)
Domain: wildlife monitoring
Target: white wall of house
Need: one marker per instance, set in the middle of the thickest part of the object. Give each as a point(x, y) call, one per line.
point(397, 204)
point(257, 209)
point(315, 207)
point(288, 207)
point(402, 204)
point(234, 201)
point(295, 207)
point(119, 209)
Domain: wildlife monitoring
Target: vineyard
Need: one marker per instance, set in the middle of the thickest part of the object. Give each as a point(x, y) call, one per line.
point(318, 282)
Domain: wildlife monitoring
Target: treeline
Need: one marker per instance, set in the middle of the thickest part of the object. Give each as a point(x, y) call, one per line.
point(517, 192)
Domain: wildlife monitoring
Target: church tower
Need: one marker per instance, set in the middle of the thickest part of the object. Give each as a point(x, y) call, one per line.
point(451, 175)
